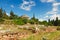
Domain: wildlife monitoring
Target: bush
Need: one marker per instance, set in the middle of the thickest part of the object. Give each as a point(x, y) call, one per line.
point(33, 29)
point(43, 38)
point(19, 22)
point(25, 21)
point(1, 20)
point(58, 28)
point(31, 21)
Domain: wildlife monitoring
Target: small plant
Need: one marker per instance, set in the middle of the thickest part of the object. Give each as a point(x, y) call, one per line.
point(33, 29)
point(1, 20)
point(43, 38)
point(58, 28)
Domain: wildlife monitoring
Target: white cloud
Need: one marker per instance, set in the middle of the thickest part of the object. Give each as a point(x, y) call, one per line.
point(54, 16)
point(47, 0)
point(27, 5)
point(8, 14)
point(54, 11)
point(46, 16)
point(41, 20)
point(50, 0)
point(56, 4)
point(12, 6)
point(51, 12)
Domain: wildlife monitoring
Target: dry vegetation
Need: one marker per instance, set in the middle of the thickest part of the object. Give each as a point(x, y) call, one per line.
point(28, 32)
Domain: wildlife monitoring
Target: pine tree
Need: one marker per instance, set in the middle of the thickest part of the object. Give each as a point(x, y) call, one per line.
point(33, 18)
point(5, 15)
point(12, 15)
point(56, 22)
point(53, 21)
point(1, 13)
point(49, 20)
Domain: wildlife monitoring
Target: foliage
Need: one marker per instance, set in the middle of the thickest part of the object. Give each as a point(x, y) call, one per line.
point(5, 16)
point(18, 21)
point(31, 21)
point(1, 13)
point(58, 28)
point(1, 20)
point(25, 21)
point(43, 38)
point(12, 15)
point(54, 22)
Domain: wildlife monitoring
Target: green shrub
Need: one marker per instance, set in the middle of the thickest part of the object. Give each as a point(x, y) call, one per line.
point(58, 28)
point(31, 21)
point(1, 20)
point(18, 22)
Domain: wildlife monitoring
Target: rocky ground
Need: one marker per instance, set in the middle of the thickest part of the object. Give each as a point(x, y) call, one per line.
point(14, 32)
point(18, 32)
point(14, 35)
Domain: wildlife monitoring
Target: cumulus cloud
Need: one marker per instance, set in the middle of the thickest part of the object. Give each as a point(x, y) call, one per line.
point(54, 16)
point(54, 8)
point(8, 14)
point(41, 19)
point(12, 6)
point(46, 16)
point(47, 0)
point(54, 11)
point(56, 4)
point(50, 0)
point(27, 5)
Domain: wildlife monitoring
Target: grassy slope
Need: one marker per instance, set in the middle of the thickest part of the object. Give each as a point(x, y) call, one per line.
point(48, 36)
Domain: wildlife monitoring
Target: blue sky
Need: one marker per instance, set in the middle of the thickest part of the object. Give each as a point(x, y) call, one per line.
point(43, 9)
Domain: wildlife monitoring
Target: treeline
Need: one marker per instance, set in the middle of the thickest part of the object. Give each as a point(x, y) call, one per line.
point(51, 22)
point(16, 19)
point(21, 21)
point(54, 22)
point(4, 15)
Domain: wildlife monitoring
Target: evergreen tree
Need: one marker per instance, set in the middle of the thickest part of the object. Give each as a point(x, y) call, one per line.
point(33, 18)
point(1, 13)
point(13, 16)
point(56, 22)
point(53, 21)
point(5, 15)
point(49, 20)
